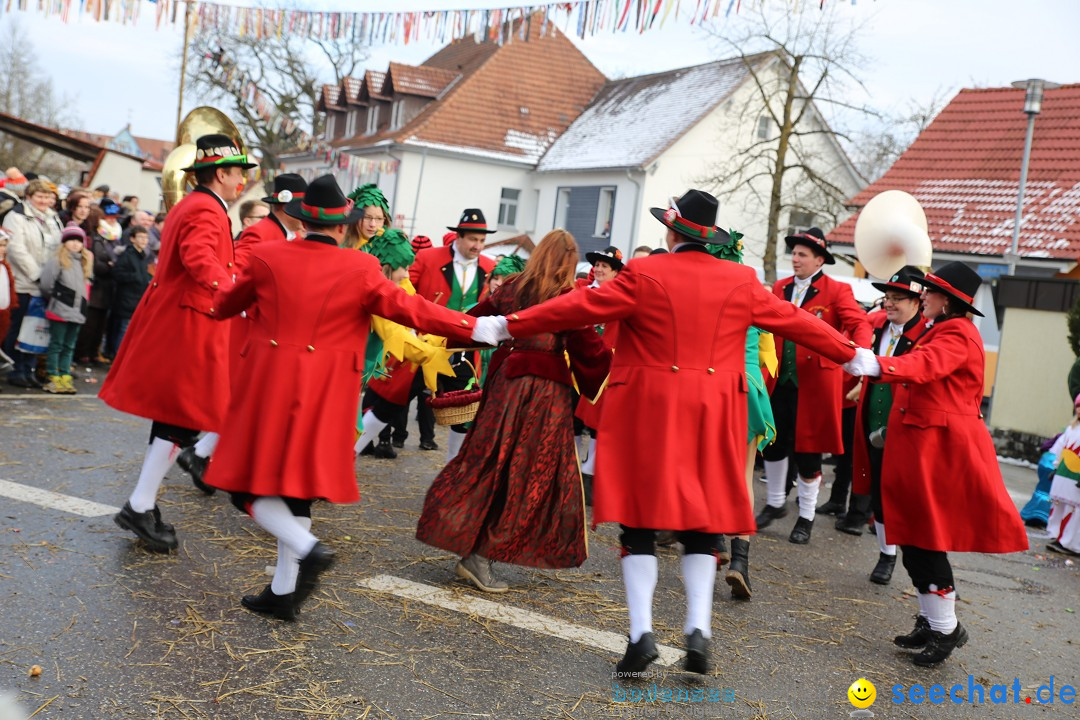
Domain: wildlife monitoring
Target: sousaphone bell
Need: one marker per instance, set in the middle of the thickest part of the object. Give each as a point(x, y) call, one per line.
point(891, 232)
point(175, 183)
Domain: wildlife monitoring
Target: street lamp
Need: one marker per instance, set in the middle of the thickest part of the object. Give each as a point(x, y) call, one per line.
point(1032, 106)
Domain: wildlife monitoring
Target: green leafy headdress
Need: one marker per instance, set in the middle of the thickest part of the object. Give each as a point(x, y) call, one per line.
point(391, 248)
point(509, 265)
point(731, 250)
point(370, 196)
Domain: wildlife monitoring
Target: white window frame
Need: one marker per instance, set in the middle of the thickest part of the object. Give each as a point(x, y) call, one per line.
point(328, 131)
point(764, 128)
point(372, 119)
point(794, 229)
point(605, 211)
point(562, 206)
point(508, 208)
point(350, 123)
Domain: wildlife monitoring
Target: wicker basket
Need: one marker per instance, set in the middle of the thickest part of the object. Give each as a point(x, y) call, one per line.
point(457, 407)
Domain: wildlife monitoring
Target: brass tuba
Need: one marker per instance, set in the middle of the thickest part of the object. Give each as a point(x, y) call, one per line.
point(891, 232)
point(175, 183)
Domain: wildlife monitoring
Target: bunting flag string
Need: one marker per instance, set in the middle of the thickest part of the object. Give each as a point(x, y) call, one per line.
point(586, 17)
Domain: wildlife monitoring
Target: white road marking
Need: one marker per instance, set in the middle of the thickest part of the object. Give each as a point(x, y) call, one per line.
point(55, 501)
point(516, 617)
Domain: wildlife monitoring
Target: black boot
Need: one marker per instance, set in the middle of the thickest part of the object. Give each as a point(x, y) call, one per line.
point(769, 513)
point(852, 523)
point(638, 654)
point(800, 534)
point(723, 555)
point(280, 606)
point(157, 535)
point(697, 653)
point(317, 561)
point(832, 507)
point(738, 574)
point(882, 573)
point(194, 466)
point(917, 638)
point(384, 451)
point(940, 646)
point(586, 481)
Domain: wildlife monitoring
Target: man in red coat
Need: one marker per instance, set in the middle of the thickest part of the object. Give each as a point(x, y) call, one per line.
point(672, 440)
point(808, 393)
point(455, 276)
point(276, 226)
point(173, 366)
point(288, 436)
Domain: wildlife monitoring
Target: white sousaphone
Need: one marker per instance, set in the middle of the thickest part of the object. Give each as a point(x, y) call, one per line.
point(891, 232)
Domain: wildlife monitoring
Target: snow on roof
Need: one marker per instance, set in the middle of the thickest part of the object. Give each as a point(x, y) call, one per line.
point(631, 121)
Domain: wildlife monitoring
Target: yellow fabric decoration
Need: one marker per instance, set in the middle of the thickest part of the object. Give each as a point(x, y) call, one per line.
point(767, 352)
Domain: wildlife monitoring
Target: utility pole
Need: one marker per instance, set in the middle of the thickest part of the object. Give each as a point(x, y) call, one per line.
point(183, 59)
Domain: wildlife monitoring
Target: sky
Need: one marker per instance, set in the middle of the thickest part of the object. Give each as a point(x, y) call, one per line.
point(112, 74)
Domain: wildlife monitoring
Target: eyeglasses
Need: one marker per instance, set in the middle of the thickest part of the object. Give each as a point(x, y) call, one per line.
point(258, 217)
point(894, 299)
point(372, 218)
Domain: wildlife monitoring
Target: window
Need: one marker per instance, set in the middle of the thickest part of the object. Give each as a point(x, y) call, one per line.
point(508, 207)
point(372, 120)
point(397, 115)
point(562, 207)
point(799, 221)
point(605, 208)
point(329, 132)
point(350, 123)
point(764, 128)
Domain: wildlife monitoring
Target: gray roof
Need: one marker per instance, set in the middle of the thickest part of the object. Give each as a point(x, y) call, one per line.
point(630, 122)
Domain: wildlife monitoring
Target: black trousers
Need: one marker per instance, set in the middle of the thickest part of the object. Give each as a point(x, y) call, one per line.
point(785, 407)
point(175, 434)
point(926, 568)
point(641, 541)
point(425, 419)
point(842, 474)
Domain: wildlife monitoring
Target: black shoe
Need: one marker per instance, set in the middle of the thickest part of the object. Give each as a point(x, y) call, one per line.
point(19, 381)
point(369, 450)
point(831, 508)
point(638, 655)
point(852, 524)
point(917, 638)
point(800, 534)
point(157, 535)
point(429, 445)
point(872, 529)
point(195, 466)
point(586, 481)
point(769, 513)
point(723, 555)
point(399, 444)
point(34, 382)
point(314, 564)
point(280, 606)
point(882, 573)
point(940, 646)
point(384, 451)
point(697, 653)
point(738, 574)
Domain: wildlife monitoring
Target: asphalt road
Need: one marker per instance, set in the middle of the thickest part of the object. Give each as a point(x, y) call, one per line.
point(119, 632)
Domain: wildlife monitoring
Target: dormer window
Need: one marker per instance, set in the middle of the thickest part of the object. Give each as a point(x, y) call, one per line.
point(397, 112)
point(372, 120)
point(329, 132)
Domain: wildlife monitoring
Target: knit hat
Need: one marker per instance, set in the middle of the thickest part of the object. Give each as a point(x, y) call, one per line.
point(391, 248)
point(421, 242)
point(73, 232)
point(509, 265)
point(448, 238)
point(110, 207)
point(731, 250)
point(370, 195)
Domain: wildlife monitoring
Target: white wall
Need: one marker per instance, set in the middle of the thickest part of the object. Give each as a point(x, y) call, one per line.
point(1031, 395)
point(125, 175)
point(623, 226)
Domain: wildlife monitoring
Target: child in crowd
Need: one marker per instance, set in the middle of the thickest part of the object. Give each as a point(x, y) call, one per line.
point(8, 300)
point(132, 276)
point(1063, 526)
point(64, 287)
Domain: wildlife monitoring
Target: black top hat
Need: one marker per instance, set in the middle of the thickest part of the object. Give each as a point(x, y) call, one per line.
point(658, 251)
point(472, 220)
point(287, 187)
point(959, 282)
point(611, 255)
point(218, 150)
point(813, 239)
point(693, 216)
point(324, 204)
point(908, 280)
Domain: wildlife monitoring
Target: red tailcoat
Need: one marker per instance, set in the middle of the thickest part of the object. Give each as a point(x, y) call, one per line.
point(817, 424)
point(433, 271)
point(672, 437)
point(941, 488)
point(173, 365)
point(289, 429)
point(269, 229)
point(587, 410)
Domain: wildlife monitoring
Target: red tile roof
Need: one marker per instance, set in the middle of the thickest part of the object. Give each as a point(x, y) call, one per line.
point(373, 82)
point(423, 81)
point(965, 170)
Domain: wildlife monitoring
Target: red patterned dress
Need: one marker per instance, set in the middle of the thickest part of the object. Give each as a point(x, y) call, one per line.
point(513, 493)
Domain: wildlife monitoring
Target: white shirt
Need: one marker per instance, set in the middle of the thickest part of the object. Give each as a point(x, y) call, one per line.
point(802, 285)
point(465, 271)
point(5, 288)
point(890, 335)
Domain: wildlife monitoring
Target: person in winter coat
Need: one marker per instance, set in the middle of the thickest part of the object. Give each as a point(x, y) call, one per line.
point(35, 234)
point(105, 242)
point(132, 276)
point(8, 299)
point(63, 285)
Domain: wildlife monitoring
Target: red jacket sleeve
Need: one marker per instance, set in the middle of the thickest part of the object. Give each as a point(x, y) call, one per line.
point(387, 300)
point(852, 317)
point(590, 360)
point(198, 245)
point(612, 301)
point(946, 351)
point(232, 300)
point(792, 323)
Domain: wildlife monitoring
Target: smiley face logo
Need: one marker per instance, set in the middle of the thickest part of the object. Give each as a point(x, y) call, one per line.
point(862, 693)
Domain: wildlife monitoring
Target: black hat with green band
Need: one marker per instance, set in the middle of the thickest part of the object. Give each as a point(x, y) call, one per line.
point(216, 150)
point(694, 217)
point(324, 204)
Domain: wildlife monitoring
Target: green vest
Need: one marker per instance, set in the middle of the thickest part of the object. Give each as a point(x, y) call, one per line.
point(787, 365)
point(878, 405)
point(463, 301)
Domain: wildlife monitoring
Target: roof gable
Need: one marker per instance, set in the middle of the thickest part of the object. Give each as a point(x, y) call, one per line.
point(423, 81)
point(964, 169)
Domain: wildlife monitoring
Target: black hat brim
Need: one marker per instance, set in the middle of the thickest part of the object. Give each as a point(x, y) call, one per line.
point(793, 240)
point(244, 166)
point(471, 230)
point(720, 238)
point(968, 307)
point(292, 209)
point(594, 257)
point(886, 287)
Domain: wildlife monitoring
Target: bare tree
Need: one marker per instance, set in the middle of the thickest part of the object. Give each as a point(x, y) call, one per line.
point(877, 147)
point(800, 58)
point(289, 72)
point(27, 95)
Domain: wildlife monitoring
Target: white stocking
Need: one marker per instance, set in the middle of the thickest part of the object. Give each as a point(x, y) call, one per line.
point(639, 578)
point(274, 516)
point(158, 459)
point(776, 479)
point(699, 574)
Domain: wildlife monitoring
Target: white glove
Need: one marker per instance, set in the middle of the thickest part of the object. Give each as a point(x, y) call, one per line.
point(490, 330)
point(864, 363)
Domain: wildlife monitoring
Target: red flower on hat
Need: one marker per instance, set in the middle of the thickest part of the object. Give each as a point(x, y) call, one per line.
point(670, 214)
point(618, 254)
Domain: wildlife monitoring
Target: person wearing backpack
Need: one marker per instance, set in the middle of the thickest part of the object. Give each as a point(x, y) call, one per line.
point(64, 287)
